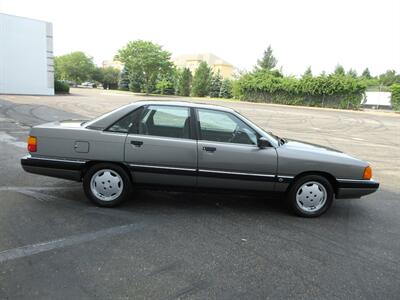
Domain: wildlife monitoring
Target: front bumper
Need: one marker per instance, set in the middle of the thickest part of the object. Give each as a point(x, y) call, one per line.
point(53, 167)
point(350, 188)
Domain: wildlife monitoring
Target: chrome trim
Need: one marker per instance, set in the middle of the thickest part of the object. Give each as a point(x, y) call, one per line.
point(55, 159)
point(284, 176)
point(236, 173)
point(162, 167)
point(354, 180)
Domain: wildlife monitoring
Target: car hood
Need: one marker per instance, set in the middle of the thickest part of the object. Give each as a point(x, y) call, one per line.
point(299, 145)
point(293, 145)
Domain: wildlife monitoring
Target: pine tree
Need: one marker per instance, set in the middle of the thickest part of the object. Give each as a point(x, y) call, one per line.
point(226, 89)
point(366, 74)
point(352, 73)
point(184, 82)
point(308, 72)
point(339, 70)
point(215, 86)
point(268, 61)
point(202, 80)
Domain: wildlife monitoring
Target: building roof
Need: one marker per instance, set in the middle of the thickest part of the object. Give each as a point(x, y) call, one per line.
point(209, 58)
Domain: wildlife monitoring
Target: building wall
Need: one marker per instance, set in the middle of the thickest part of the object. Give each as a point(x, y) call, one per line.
point(192, 62)
point(113, 63)
point(26, 56)
point(226, 71)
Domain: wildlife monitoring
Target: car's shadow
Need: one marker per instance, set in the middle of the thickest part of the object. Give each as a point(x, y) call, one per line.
point(194, 202)
point(197, 203)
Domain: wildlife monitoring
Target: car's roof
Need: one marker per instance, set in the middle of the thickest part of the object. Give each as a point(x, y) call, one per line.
point(181, 103)
point(109, 118)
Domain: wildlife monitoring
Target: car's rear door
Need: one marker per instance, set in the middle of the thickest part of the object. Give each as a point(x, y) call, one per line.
point(228, 155)
point(161, 149)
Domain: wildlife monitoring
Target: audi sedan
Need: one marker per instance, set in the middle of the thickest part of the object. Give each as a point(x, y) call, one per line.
point(181, 144)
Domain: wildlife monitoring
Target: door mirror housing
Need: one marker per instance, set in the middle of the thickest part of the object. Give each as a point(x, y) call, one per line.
point(263, 142)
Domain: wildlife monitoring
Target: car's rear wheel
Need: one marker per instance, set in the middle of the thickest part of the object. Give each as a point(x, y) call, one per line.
point(310, 196)
point(106, 184)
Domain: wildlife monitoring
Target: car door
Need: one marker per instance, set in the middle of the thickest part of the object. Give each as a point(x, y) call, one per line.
point(160, 148)
point(228, 155)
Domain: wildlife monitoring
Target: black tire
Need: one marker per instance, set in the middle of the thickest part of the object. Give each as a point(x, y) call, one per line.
point(313, 182)
point(124, 189)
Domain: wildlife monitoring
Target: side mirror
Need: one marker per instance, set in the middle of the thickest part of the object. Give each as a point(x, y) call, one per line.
point(263, 142)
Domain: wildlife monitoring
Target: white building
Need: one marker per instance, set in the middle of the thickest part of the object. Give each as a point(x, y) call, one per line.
point(26, 56)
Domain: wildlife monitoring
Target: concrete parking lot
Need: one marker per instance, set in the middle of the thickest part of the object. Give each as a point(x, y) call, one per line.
point(54, 244)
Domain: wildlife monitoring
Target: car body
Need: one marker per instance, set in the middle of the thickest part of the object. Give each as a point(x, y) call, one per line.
point(87, 84)
point(184, 144)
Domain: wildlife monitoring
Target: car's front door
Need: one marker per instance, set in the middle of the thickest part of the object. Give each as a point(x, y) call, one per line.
point(228, 155)
point(160, 148)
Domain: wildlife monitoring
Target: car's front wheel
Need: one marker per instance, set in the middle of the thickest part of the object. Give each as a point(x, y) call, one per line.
point(106, 185)
point(310, 196)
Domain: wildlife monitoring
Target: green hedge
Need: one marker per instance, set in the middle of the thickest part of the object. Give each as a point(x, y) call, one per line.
point(61, 87)
point(395, 88)
point(335, 91)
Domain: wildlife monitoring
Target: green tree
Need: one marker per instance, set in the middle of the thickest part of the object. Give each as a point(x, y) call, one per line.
point(166, 83)
point(389, 77)
point(339, 70)
point(226, 89)
point(268, 61)
point(184, 82)
point(202, 80)
point(136, 81)
point(123, 83)
point(353, 73)
point(308, 72)
point(366, 74)
point(215, 86)
point(395, 99)
point(110, 77)
point(145, 62)
point(76, 67)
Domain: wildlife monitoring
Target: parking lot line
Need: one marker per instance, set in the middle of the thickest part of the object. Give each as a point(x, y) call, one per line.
point(33, 249)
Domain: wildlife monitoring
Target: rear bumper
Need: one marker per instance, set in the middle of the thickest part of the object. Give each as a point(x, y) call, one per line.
point(349, 188)
point(53, 167)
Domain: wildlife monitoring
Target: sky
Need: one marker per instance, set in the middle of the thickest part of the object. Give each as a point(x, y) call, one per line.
point(320, 34)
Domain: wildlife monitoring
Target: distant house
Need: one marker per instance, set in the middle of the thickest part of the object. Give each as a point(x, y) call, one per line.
point(216, 63)
point(113, 63)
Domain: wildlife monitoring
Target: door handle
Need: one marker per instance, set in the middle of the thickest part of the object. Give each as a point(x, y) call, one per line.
point(137, 143)
point(209, 149)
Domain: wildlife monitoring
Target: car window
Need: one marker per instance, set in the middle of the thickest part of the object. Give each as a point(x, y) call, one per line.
point(225, 127)
point(129, 123)
point(168, 121)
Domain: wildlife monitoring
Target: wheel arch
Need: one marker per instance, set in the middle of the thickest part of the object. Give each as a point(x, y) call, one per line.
point(328, 176)
point(91, 163)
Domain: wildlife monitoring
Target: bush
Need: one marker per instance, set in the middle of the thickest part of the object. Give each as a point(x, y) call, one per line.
point(165, 87)
point(395, 97)
point(337, 91)
point(61, 87)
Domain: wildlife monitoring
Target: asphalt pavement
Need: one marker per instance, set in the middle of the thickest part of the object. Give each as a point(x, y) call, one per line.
point(54, 244)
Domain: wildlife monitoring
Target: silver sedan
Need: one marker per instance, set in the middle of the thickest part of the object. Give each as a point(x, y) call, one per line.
point(186, 145)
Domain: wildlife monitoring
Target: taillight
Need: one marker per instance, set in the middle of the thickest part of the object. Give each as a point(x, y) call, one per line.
point(367, 173)
point(32, 143)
